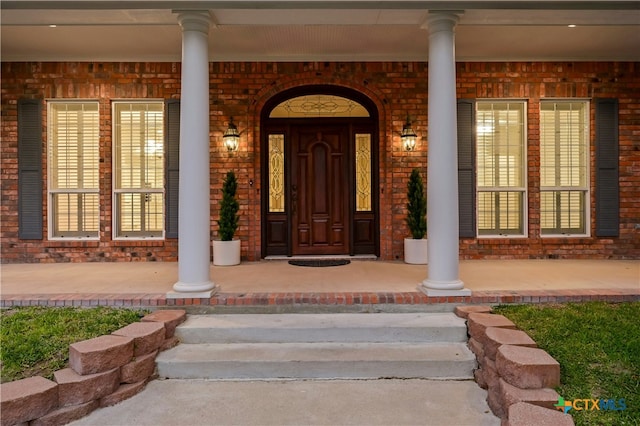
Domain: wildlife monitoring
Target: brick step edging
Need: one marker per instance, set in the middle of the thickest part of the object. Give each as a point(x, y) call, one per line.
point(321, 299)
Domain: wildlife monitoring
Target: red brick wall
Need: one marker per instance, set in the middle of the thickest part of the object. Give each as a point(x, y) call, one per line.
point(536, 81)
point(241, 90)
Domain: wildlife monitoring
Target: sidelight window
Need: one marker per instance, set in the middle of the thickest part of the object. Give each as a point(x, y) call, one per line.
point(363, 172)
point(276, 173)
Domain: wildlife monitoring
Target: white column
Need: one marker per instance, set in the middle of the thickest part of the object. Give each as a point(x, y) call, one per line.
point(442, 174)
point(193, 203)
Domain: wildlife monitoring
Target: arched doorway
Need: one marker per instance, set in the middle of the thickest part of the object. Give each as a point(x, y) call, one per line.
point(319, 175)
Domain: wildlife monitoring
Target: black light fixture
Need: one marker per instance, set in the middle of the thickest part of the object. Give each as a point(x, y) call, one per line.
point(408, 136)
point(231, 137)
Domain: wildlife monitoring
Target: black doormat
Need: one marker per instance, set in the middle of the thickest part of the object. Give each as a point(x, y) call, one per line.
point(320, 262)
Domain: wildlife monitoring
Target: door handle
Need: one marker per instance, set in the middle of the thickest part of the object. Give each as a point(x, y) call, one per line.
point(294, 199)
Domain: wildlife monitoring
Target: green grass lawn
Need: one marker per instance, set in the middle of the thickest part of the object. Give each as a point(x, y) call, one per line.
point(35, 341)
point(598, 347)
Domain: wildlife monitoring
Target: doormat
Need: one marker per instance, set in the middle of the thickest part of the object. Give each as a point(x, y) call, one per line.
point(320, 262)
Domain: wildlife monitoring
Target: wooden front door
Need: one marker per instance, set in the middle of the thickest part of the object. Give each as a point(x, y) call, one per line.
point(320, 190)
point(319, 173)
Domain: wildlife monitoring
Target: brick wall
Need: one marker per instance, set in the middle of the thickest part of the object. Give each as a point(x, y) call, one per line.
point(397, 89)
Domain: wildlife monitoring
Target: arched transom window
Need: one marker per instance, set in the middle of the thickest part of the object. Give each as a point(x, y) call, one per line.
point(315, 106)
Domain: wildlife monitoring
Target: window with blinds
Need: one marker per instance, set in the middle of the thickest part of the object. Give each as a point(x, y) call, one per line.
point(138, 137)
point(501, 178)
point(564, 144)
point(73, 163)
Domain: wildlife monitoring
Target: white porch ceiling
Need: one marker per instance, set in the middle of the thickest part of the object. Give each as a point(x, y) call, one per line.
point(359, 30)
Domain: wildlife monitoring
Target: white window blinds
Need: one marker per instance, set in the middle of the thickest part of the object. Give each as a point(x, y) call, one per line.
point(563, 167)
point(501, 179)
point(74, 136)
point(139, 169)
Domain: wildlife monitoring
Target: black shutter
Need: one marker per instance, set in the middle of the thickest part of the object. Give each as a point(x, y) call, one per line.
point(30, 169)
point(607, 184)
point(466, 168)
point(172, 167)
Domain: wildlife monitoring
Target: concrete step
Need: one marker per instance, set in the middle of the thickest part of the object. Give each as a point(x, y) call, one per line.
point(371, 328)
point(319, 360)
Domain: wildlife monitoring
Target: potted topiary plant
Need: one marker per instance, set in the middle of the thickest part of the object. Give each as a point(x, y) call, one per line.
point(226, 249)
point(415, 248)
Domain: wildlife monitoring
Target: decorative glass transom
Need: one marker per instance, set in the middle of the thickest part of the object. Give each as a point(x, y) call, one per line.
point(314, 106)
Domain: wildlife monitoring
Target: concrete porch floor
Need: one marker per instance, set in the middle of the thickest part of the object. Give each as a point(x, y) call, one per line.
point(275, 282)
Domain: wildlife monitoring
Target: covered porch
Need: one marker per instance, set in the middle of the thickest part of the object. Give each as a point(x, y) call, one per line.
point(212, 47)
point(360, 286)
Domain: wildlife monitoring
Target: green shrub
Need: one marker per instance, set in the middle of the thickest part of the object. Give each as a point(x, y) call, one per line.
point(416, 206)
point(229, 207)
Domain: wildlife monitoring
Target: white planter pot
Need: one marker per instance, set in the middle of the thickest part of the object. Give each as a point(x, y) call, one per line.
point(415, 251)
point(226, 253)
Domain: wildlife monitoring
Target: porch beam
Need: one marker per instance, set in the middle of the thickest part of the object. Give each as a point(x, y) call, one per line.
point(321, 4)
point(442, 173)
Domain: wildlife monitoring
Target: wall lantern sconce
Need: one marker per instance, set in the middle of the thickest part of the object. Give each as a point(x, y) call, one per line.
point(231, 137)
point(408, 136)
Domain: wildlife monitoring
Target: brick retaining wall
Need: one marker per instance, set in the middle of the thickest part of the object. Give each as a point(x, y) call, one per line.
point(103, 371)
point(518, 376)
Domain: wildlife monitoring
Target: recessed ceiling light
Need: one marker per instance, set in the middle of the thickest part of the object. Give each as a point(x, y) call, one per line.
point(52, 26)
point(572, 25)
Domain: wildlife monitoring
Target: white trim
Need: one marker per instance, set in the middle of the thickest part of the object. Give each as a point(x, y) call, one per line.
point(543, 236)
point(137, 238)
point(71, 100)
point(502, 237)
point(135, 100)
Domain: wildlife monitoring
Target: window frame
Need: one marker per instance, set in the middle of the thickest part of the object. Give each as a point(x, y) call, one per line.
point(53, 191)
point(523, 189)
point(116, 192)
point(586, 187)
